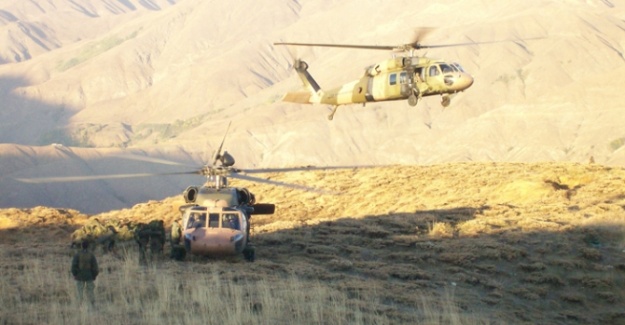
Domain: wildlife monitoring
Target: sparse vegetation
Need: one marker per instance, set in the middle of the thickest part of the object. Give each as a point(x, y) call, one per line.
point(86, 135)
point(78, 137)
point(165, 131)
point(505, 79)
point(503, 246)
point(94, 49)
point(166, 292)
point(89, 51)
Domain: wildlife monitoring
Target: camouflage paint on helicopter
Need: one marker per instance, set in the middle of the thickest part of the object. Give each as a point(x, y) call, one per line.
point(392, 79)
point(408, 77)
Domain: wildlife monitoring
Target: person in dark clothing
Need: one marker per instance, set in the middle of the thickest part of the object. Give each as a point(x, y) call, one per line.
point(85, 271)
point(157, 238)
point(143, 239)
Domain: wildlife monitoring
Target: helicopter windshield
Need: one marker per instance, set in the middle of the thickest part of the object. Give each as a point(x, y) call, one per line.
point(446, 68)
point(457, 66)
point(230, 220)
point(213, 220)
point(196, 219)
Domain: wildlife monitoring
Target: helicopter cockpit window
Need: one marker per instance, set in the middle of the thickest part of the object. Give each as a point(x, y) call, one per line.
point(231, 221)
point(196, 220)
point(434, 71)
point(392, 79)
point(213, 220)
point(190, 221)
point(446, 68)
point(457, 66)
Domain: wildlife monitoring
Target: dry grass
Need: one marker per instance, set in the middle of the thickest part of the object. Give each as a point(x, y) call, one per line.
point(38, 289)
point(463, 243)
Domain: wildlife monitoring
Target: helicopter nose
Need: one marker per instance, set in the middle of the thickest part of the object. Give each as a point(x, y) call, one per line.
point(465, 81)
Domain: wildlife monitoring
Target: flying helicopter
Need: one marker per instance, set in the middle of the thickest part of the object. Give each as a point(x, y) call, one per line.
point(215, 219)
point(406, 77)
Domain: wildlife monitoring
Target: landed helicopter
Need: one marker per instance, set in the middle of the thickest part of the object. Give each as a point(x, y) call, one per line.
point(215, 219)
point(407, 77)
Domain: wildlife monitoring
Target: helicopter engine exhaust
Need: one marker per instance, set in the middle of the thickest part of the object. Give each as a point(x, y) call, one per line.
point(263, 208)
point(190, 194)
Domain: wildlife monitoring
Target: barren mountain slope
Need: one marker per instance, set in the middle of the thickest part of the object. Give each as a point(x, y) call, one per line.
point(166, 77)
point(538, 243)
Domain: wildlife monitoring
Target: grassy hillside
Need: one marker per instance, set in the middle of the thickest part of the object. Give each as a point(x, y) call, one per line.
point(460, 243)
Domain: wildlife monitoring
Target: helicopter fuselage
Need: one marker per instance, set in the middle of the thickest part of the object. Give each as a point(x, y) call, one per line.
point(215, 231)
point(398, 78)
point(216, 220)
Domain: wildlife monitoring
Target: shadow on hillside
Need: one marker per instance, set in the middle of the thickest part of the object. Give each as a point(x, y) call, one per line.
point(28, 121)
point(508, 275)
point(34, 123)
point(398, 260)
point(90, 196)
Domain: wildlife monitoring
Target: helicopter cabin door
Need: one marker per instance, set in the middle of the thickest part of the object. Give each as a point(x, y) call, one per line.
point(389, 85)
point(406, 81)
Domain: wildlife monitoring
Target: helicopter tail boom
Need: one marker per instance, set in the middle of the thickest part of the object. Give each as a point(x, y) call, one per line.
point(312, 92)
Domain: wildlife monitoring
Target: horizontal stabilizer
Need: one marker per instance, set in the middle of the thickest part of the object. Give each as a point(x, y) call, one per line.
point(302, 97)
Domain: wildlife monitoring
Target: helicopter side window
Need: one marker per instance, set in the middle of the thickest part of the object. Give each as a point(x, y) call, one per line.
point(392, 80)
point(419, 74)
point(434, 71)
point(403, 78)
point(213, 220)
point(230, 221)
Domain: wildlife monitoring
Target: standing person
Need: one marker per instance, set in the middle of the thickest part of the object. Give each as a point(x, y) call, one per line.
point(177, 251)
point(85, 271)
point(157, 238)
point(176, 233)
point(142, 237)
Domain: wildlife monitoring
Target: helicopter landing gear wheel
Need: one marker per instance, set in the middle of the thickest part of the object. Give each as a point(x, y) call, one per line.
point(413, 100)
point(446, 100)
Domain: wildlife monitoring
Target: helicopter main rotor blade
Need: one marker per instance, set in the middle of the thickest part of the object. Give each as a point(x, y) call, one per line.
point(152, 160)
point(289, 185)
point(297, 169)
point(419, 46)
point(352, 46)
point(404, 47)
point(416, 45)
point(62, 179)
